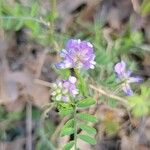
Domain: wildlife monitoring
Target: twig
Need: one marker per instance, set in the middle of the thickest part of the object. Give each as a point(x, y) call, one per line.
point(42, 82)
point(29, 126)
point(108, 94)
point(42, 131)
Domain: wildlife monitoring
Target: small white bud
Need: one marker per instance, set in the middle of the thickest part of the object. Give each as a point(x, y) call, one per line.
point(72, 79)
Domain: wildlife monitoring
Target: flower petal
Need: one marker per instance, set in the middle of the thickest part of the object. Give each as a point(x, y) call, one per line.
point(135, 79)
point(127, 89)
point(72, 79)
point(120, 68)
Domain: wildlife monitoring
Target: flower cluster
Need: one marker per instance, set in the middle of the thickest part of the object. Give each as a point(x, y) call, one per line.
point(63, 90)
point(77, 54)
point(126, 77)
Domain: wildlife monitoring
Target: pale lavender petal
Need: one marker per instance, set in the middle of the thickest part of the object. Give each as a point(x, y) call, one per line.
point(60, 65)
point(129, 72)
point(66, 84)
point(120, 68)
point(64, 64)
point(74, 92)
point(63, 53)
point(127, 89)
point(72, 43)
point(72, 79)
point(135, 79)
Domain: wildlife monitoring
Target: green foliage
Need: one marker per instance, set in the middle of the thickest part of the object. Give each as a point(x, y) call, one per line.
point(145, 8)
point(16, 16)
point(87, 139)
point(127, 43)
point(69, 145)
point(66, 111)
point(140, 103)
point(85, 102)
point(69, 123)
point(67, 131)
point(68, 127)
point(65, 73)
point(82, 86)
point(88, 129)
point(65, 108)
point(87, 117)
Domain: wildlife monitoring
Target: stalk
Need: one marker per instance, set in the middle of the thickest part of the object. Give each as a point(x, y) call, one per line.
point(75, 126)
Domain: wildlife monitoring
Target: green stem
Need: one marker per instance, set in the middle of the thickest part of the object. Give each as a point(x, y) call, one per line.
point(82, 83)
point(75, 126)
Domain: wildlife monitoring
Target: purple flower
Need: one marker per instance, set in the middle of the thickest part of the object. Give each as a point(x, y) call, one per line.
point(125, 77)
point(64, 89)
point(77, 54)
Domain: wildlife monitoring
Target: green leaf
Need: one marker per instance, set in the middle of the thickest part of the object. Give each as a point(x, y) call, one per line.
point(140, 110)
point(65, 112)
point(65, 109)
point(66, 131)
point(86, 102)
point(87, 139)
point(87, 117)
point(69, 123)
point(140, 103)
point(88, 129)
point(69, 145)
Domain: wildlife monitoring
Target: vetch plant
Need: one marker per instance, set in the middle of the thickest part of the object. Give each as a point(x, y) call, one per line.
point(71, 95)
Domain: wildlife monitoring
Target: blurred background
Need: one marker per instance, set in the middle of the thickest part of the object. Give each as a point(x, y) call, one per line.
point(32, 32)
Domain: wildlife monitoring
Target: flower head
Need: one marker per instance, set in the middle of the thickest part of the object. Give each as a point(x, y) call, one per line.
point(125, 77)
point(77, 54)
point(64, 89)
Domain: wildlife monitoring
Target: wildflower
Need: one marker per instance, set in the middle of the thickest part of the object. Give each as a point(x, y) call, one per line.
point(125, 77)
point(64, 89)
point(77, 54)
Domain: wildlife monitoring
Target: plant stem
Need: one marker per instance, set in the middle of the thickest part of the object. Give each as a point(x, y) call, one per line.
point(75, 126)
